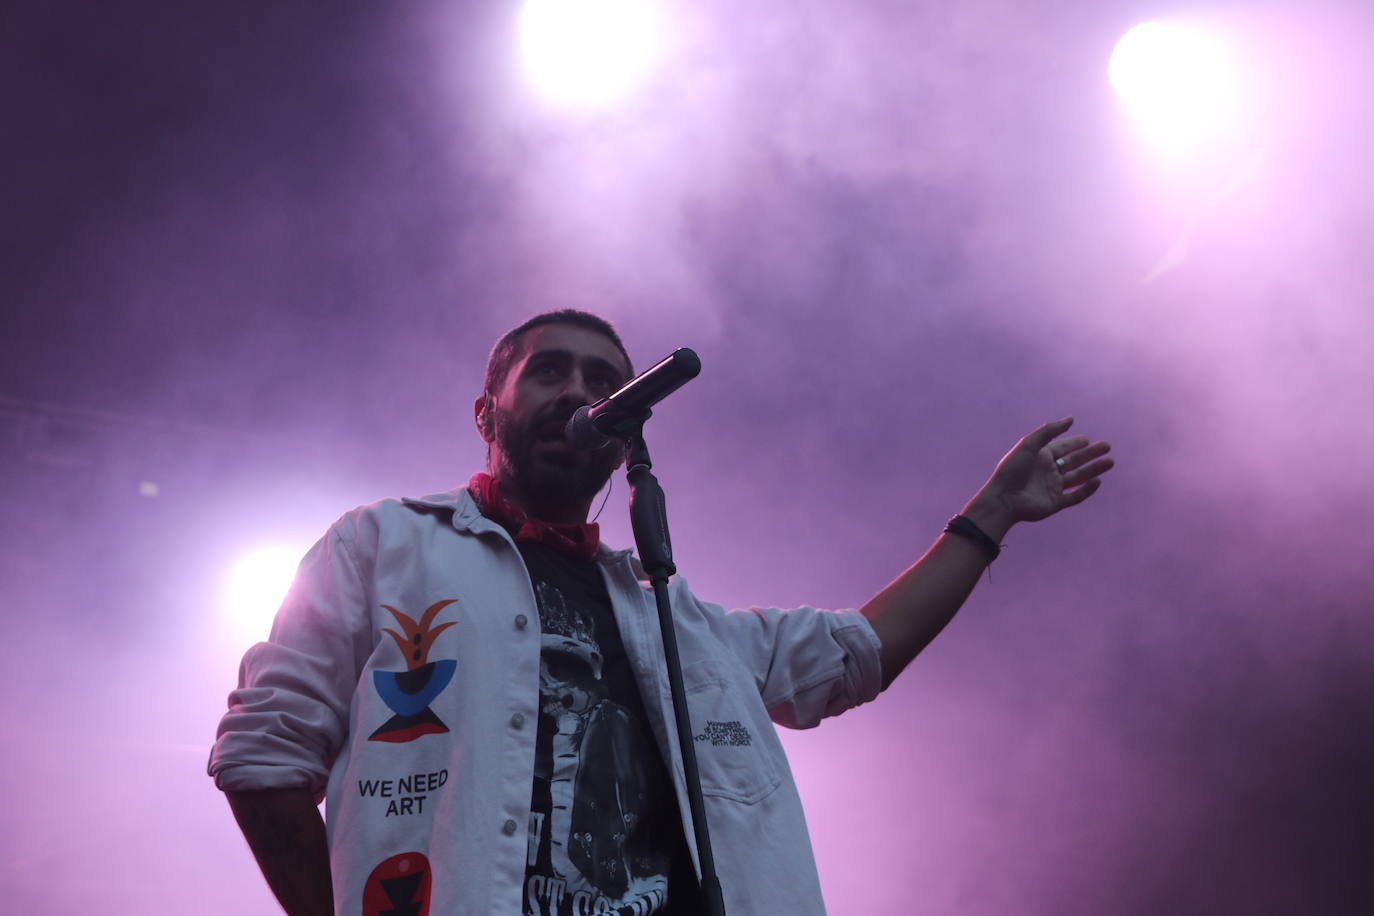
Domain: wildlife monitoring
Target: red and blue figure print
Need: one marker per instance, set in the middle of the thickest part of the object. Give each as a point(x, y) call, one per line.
point(408, 693)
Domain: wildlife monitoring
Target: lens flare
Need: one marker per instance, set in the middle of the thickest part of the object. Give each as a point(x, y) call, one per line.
point(590, 53)
point(1180, 83)
point(256, 587)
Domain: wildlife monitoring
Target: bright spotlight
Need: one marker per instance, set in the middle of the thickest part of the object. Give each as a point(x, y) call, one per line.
point(590, 53)
point(1180, 83)
point(256, 586)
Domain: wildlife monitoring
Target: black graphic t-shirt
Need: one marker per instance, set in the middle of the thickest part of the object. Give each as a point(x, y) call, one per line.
point(605, 833)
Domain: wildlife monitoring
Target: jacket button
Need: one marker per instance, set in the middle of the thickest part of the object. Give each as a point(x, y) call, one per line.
point(521, 621)
point(517, 721)
point(508, 828)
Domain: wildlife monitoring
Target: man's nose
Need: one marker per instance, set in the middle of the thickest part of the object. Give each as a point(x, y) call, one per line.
point(577, 390)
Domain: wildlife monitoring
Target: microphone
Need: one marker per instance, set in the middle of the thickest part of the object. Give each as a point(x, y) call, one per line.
point(619, 415)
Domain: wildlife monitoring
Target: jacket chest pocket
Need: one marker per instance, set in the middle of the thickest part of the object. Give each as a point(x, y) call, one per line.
point(732, 735)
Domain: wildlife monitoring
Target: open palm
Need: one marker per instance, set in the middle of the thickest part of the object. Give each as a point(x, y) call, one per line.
point(1042, 474)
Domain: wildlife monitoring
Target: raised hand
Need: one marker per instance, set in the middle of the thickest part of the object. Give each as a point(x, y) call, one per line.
point(1043, 474)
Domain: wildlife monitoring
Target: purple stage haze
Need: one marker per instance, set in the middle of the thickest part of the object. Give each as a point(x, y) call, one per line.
point(254, 255)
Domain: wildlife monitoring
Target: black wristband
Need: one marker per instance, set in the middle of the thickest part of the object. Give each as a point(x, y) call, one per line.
point(967, 529)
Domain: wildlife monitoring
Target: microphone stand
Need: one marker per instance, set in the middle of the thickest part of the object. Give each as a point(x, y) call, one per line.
point(649, 519)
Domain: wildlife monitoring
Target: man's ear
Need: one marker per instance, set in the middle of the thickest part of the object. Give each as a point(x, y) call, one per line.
point(482, 413)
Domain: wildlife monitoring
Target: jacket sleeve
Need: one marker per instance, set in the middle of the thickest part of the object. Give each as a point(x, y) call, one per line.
point(807, 663)
point(289, 715)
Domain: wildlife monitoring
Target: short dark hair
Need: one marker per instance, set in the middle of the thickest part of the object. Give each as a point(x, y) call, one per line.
point(503, 354)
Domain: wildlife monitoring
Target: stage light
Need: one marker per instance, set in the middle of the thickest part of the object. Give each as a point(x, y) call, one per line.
point(590, 53)
point(256, 586)
point(1180, 84)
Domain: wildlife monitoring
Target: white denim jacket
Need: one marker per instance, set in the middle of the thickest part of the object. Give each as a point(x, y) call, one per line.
point(426, 758)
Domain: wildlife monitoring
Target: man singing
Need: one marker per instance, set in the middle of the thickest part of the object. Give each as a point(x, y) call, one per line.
point(476, 685)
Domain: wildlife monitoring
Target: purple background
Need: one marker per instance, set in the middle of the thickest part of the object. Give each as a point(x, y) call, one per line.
point(257, 252)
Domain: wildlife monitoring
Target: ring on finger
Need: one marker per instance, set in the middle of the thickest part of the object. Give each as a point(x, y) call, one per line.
point(1061, 464)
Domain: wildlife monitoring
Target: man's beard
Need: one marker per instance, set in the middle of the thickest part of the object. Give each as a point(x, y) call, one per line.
point(552, 478)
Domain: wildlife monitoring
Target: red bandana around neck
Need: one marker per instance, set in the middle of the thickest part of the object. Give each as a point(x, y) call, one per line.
point(578, 541)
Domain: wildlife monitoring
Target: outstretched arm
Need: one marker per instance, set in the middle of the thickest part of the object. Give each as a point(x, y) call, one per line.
point(1040, 476)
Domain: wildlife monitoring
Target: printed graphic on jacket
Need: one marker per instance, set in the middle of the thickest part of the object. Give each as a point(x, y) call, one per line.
point(398, 887)
point(408, 693)
point(596, 822)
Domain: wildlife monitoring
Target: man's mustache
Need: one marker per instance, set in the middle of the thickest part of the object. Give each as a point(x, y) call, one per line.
point(558, 415)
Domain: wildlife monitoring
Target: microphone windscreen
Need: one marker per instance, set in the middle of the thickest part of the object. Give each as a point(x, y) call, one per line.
point(580, 432)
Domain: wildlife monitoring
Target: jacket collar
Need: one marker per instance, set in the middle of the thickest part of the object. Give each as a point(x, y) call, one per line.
point(466, 517)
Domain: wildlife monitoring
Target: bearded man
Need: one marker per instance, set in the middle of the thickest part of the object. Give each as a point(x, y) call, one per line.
point(476, 684)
